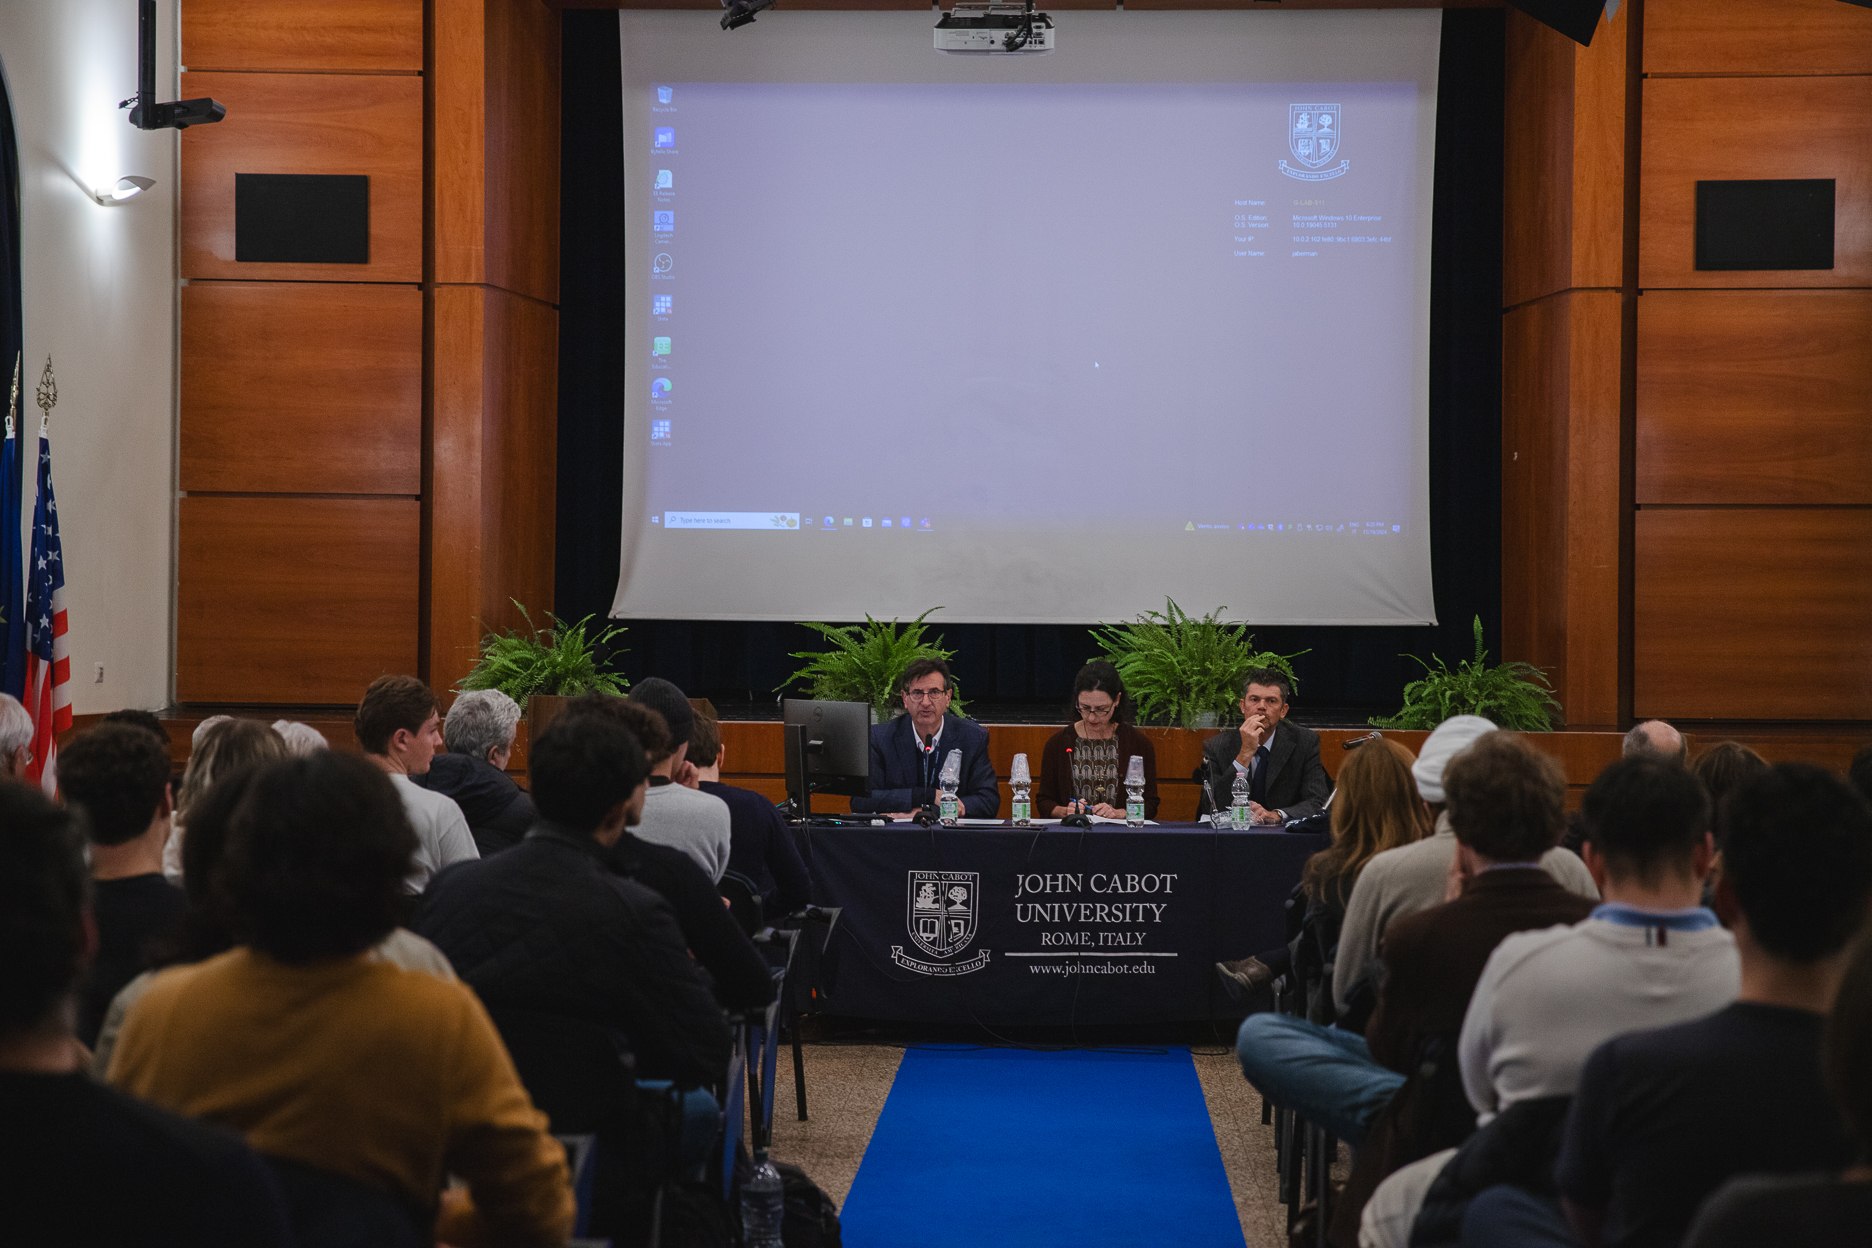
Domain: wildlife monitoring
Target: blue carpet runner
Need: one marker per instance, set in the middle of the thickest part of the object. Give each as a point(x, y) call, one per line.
point(978, 1148)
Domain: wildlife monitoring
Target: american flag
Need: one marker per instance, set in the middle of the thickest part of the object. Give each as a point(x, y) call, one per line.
point(48, 667)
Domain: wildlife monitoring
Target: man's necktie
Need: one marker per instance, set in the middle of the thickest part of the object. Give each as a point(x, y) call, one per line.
point(1257, 779)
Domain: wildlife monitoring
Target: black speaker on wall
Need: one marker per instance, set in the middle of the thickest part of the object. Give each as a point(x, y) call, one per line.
point(1764, 224)
point(1576, 19)
point(301, 218)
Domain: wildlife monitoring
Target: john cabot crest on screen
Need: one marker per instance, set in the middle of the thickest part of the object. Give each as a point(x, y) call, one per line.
point(1314, 137)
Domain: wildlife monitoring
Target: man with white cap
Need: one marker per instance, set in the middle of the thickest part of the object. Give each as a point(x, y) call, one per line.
point(1415, 877)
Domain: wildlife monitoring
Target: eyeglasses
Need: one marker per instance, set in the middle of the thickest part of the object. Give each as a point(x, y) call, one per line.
point(1096, 712)
point(925, 695)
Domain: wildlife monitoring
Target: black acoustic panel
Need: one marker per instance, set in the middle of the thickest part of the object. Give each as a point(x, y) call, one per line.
point(1576, 19)
point(1783, 223)
point(301, 218)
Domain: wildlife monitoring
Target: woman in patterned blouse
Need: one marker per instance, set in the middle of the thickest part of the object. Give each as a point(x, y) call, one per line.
point(1083, 765)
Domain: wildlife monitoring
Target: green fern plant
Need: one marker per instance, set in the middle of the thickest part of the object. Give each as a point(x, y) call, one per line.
point(1179, 667)
point(864, 662)
point(556, 658)
point(1516, 696)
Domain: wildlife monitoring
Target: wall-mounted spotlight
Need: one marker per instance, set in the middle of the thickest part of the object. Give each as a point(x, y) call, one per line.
point(741, 12)
point(126, 189)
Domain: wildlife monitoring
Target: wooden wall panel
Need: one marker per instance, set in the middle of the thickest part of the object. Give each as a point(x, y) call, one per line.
point(306, 123)
point(1756, 37)
point(1719, 589)
point(294, 600)
point(1698, 128)
point(301, 387)
point(1561, 496)
point(362, 36)
point(1564, 174)
point(1755, 397)
point(491, 502)
point(495, 199)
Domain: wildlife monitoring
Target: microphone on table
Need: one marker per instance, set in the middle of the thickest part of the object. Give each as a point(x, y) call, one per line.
point(1352, 743)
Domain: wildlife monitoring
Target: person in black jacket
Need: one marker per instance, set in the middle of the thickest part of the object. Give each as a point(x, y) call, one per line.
point(1286, 779)
point(479, 736)
point(547, 927)
point(760, 845)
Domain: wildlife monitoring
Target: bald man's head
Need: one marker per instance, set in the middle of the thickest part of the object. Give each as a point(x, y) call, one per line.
point(1656, 739)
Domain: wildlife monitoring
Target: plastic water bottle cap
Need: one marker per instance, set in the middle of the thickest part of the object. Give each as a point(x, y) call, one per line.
point(1134, 770)
point(1019, 772)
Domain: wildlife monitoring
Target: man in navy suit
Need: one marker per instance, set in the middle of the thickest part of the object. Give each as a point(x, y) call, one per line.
point(907, 753)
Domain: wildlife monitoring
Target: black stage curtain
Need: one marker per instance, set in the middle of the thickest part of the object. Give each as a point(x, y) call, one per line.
point(1018, 668)
point(12, 315)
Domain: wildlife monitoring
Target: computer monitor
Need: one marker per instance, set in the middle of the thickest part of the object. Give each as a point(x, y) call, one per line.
point(828, 750)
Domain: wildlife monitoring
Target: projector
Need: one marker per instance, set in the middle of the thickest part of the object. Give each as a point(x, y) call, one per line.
point(989, 27)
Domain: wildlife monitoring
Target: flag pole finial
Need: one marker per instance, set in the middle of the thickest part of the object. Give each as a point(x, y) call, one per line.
point(48, 391)
point(12, 415)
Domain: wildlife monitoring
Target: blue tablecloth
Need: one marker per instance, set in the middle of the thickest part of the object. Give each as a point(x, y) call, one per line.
point(1045, 925)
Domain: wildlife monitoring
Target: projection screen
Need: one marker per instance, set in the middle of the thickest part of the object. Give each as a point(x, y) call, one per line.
point(1038, 339)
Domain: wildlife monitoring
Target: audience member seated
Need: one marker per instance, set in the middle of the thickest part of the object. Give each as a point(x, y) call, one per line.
point(1083, 765)
point(1648, 956)
point(1416, 877)
point(1723, 768)
point(907, 753)
point(1656, 739)
point(1505, 803)
point(547, 927)
point(479, 733)
point(16, 738)
point(136, 718)
point(1860, 772)
point(399, 725)
point(1286, 779)
point(324, 1057)
point(117, 776)
point(760, 845)
point(1376, 809)
point(83, 1163)
point(206, 928)
point(1826, 1209)
point(227, 746)
point(739, 973)
point(673, 813)
point(301, 738)
point(1663, 1117)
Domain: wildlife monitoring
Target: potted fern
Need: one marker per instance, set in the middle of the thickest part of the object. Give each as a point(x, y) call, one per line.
point(1516, 696)
point(1185, 669)
point(541, 666)
point(864, 662)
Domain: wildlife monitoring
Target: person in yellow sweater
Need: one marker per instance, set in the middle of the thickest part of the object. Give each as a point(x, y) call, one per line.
point(323, 1057)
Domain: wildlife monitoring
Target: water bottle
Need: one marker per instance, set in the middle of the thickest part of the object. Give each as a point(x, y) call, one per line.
point(763, 1204)
point(1238, 802)
point(1134, 791)
point(947, 807)
point(1020, 779)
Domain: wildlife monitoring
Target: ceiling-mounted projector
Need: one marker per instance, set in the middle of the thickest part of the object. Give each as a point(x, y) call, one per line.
point(988, 27)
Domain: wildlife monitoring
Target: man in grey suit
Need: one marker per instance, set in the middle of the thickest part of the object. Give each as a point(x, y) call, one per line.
point(1282, 760)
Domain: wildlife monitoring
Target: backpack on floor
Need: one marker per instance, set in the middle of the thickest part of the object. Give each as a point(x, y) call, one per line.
point(811, 1219)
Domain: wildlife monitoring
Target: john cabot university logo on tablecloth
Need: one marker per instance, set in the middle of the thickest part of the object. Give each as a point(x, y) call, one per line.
point(941, 912)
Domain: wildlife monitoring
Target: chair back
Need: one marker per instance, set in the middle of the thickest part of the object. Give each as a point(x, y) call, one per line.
point(330, 1210)
point(744, 901)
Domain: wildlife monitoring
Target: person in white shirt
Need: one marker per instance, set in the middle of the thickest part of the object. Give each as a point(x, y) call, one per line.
point(399, 724)
point(676, 815)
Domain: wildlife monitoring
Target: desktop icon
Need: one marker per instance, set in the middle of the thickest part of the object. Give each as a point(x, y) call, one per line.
point(660, 389)
point(887, 523)
point(665, 137)
point(662, 262)
point(867, 522)
point(660, 305)
point(664, 94)
point(659, 431)
point(666, 180)
point(659, 346)
point(830, 522)
point(663, 222)
point(906, 522)
point(848, 522)
point(925, 523)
